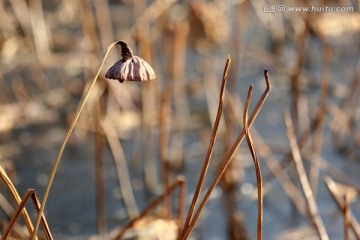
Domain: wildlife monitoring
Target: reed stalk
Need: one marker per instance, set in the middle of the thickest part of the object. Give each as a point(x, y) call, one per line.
point(256, 164)
point(67, 137)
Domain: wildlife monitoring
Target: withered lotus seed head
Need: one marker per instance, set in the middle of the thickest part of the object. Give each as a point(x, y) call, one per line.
point(130, 68)
point(133, 69)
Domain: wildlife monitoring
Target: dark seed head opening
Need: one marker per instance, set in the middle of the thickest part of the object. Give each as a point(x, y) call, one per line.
point(126, 52)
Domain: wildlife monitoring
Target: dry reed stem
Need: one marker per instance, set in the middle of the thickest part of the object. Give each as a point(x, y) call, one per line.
point(265, 151)
point(295, 85)
point(320, 117)
point(103, 20)
point(164, 133)
point(181, 182)
point(5, 94)
point(304, 137)
point(6, 206)
point(181, 30)
point(336, 195)
point(225, 163)
point(346, 122)
point(165, 118)
point(71, 128)
point(311, 203)
point(296, 72)
point(88, 25)
point(121, 169)
point(340, 116)
point(282, 178)
point(212, 89)
point(41, 35)
point(99, 166)
point(44, 223)
point(238, 44)
point(211, 147)
point(346, 217)
point(149, 96)
point(181, 206)
point(256, 163)
point(8, 183)
point(331, 170)
point(350, 102)
point(30, 193)
point(240, 27)
point(151, 13)
point(6, 23)
point(22, 15)
point(149, 147)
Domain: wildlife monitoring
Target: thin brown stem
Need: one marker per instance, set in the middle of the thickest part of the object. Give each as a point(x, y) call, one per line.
point(67, 137)
point(149, 96)
point(44, 223)
point(121, 169)
point(256, 163)
point(88, 25)
point(15, 216)
point(335, 193)
point(42, 38)
point(181, 109)
point(181, 206)
point(311, 203)
point(30, 193)
point(272, 163)
point(103, 20)
point(346, 217)
point(225, 163)
point(164, 120)
point(5, 178)
point(296, 72)
point(281, 176)
point(179, 182)
point(211, 147)
point(99, 167)
point(320, 117)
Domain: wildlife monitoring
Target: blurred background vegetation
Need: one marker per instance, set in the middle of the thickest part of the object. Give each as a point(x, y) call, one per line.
point(50, 50)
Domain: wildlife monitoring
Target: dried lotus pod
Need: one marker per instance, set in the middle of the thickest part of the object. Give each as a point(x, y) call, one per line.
point(130, 68)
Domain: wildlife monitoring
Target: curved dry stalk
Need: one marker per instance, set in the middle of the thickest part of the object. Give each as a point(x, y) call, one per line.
point(151, 13)
point(282, 178)
point(99, 167)
point(211, 146)
point(181, 182)
point(320, 118)
point(272, 163)
point(226, 162)
point(256, 163)
point(71, 128)
point(6, 206)
point(311, 203)
point(335, 193)
point(5, 178)
point(121, 169)
point(164, 136)
point(346, 217)
point(29, 194)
